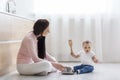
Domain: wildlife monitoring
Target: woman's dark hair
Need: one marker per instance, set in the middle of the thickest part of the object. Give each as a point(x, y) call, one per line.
point(39, 26)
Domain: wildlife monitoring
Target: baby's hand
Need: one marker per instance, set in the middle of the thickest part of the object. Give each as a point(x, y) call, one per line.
point(95, 60)
point(70, 43)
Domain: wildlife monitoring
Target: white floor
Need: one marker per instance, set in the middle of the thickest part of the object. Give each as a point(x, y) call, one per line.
point(105, 71)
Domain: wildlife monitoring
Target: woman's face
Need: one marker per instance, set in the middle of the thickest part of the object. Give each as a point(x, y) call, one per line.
point(46, 31)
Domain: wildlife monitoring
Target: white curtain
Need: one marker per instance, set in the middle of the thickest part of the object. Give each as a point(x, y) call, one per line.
point(101, 27)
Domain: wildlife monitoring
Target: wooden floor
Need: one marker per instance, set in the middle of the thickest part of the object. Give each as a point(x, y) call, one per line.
point(104, 71)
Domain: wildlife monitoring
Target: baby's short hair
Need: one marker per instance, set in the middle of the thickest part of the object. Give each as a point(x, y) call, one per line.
point(86, 42)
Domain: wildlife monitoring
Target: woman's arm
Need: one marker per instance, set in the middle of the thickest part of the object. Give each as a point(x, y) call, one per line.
point(54, 62)
point(71, 50)
point(58, 66)
point(50, 58)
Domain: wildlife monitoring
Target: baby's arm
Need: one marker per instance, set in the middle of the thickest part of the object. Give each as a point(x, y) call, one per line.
point(95, 59)
point(72, 53)
point(75, 55)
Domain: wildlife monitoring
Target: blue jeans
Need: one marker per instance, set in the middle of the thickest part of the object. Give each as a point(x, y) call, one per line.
point(84, 68)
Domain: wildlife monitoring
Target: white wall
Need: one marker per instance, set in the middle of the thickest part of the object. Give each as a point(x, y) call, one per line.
point(24, 8)
point(2, 5)
point(110, 29)
point(102, 28)
point(111, 39)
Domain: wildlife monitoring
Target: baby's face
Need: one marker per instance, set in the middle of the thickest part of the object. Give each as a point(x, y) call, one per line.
point(87, 47)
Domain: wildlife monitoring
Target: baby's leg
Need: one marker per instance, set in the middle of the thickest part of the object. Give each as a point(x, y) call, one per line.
point(86, 69)
point(78, 67)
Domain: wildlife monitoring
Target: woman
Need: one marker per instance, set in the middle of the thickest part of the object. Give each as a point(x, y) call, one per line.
point(32, 57)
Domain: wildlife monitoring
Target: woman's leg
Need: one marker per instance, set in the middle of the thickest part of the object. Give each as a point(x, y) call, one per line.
point(34, 68)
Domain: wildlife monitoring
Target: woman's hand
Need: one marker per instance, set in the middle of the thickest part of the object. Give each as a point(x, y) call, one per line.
point(58, 66)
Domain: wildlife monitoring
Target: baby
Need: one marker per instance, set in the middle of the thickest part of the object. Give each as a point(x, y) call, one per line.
point(87, 57)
